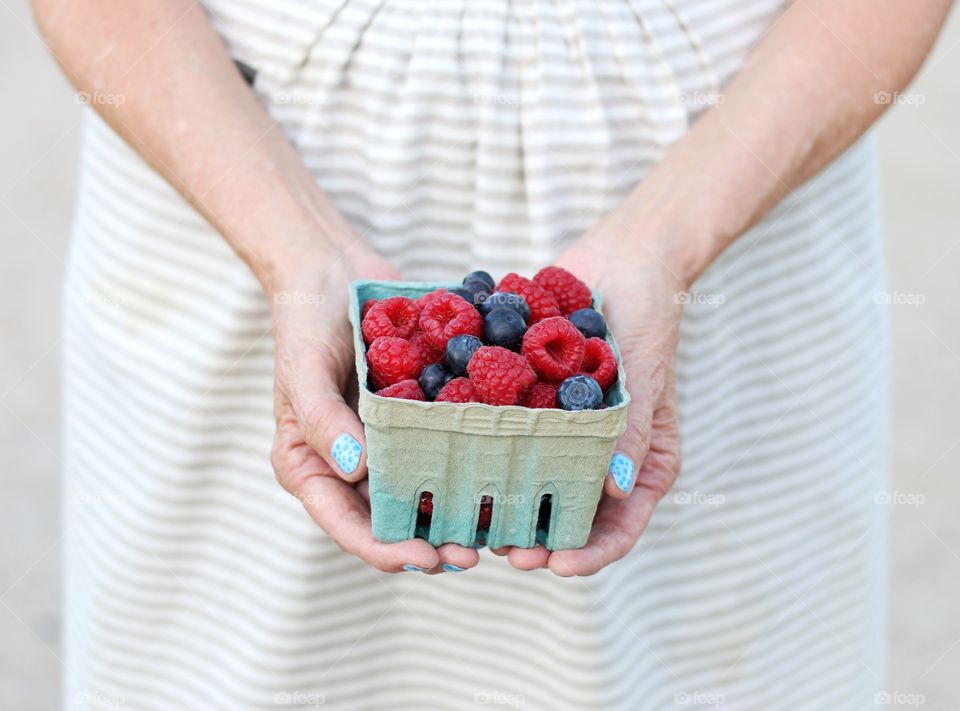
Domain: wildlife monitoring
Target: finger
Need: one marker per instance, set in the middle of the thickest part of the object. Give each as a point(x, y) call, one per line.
point(455, 558)
point(646, 386)
point(616, 528)
point(501, 551)
point(619, 523)
point(363, 488)
point(343, 514)
point(338, 508)
point(528, 558)
point(328, 424)
point(333, 430)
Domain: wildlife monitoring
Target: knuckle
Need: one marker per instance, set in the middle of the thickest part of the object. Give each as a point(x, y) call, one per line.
point(619, 548)
point(284, 360)
point(638, 430)
point(670, 452)
point(633, 343)
point(383, 567)
point(378, 562)
point(278, 460)
point(597, 562)
point(658, 478)
point(673, 464)
point(658, 379)
point(344, 546)
point(315, 421)
point(674, 461)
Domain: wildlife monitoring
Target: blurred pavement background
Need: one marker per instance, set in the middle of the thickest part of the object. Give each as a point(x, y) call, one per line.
point(920, 170)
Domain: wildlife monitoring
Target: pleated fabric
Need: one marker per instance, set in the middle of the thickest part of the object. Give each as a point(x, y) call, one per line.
point(461, 134)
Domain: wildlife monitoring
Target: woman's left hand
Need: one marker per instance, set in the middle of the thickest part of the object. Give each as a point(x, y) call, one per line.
point(640, 302)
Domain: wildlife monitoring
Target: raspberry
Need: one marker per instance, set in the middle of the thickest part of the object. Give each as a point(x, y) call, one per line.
point(457, 390)
point(599, 362)
point(554, 348)
point(542, 395)
point(500, 377)
point(405, 390)
point(446, 316)
point(428, 354)
point(429, 297)
point(486, 514)
point(541, 302)
point(425, 505)
point(571, 293)
point(395, 316)
point(366, 307)
point(391, 360)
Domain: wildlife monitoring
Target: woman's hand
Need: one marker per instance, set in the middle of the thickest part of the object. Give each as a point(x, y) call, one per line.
point(319, 451)
point(780, 122)
point(640, 289)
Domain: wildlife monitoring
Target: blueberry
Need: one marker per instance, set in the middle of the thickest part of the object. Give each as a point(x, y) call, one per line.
point(481, 276)
point(579, 392)
point(504, 327)
point(463, 294)
point(432, 378)
point(459, 351)
point(498, 300)
point(479, 289)
point(589, 322)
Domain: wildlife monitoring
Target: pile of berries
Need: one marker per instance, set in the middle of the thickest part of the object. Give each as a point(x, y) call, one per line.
point(531, 342)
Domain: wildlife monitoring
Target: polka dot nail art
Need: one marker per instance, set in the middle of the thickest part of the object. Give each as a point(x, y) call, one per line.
point(622, 471)
point(346, 452)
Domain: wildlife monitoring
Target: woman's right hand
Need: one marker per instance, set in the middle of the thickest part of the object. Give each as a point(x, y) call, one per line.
point(319, 449)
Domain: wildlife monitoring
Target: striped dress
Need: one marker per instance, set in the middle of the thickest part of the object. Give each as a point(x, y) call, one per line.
point(461, 134)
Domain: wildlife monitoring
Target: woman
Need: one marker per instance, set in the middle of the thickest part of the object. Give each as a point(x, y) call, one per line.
point(734, 236)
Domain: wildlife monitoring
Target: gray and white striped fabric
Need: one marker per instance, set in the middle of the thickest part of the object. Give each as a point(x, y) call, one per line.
point(461, 134)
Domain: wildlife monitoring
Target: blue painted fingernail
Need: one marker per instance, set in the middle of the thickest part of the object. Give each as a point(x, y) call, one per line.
point(622, 470)
point(346, 452)
point(451, 568)
point(413, 568)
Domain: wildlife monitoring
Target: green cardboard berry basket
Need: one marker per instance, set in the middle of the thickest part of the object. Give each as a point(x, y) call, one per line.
point(543, 470)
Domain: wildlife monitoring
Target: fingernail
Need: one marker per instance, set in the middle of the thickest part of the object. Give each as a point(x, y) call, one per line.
point(451, 568)
point(346, 452)
point(413, 568)
point(622, 470)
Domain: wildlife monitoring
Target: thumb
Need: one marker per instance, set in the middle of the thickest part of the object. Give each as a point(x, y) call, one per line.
point(333, 430)
point(645, 383)
point(328, 424)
